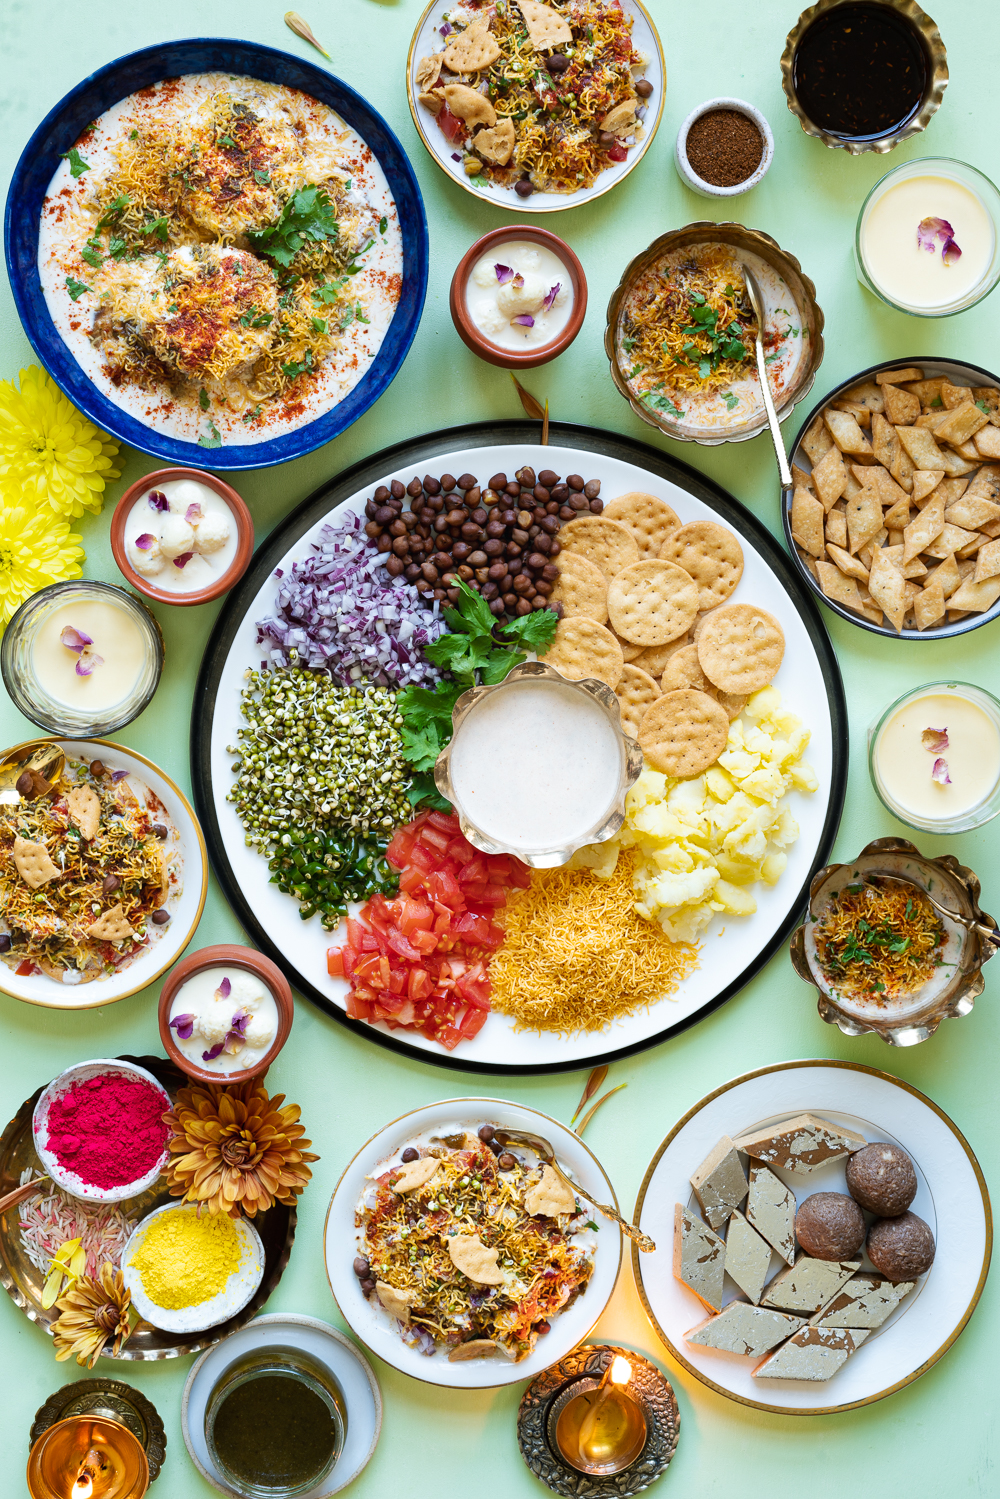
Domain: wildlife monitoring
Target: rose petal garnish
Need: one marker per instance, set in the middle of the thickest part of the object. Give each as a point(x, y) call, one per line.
point(118, 775)
point(518, 280)
point(183, 1025)
point(158, 500)
point(950, 252)
point(547, 304)
point(240, 1021)
point(193, 513)
point(525, 319)
point(234, 1042)
point(928, 231)
point(224, 990)
point(145, 541)
point(504, 273)
point(74, 640)
point(940, 773)
point(934, 740)
point(88, 660)
point(183, 559)
point(216, 1051)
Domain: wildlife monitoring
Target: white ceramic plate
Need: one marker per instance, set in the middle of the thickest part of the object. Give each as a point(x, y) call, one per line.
point(347, 1364)
point(427, 39)
point(185, 906)
point(372, 1323)
point(951, 1198)
point(733, 947)
point(233, 1297)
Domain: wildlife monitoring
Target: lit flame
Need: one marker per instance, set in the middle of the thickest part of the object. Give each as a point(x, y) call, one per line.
point(82, 1488)
point(621, 1370)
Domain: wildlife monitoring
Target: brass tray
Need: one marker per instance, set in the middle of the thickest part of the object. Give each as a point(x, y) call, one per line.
point(23, 1283)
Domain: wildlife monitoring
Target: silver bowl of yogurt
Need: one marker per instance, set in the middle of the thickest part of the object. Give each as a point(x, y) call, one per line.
point(538, 765)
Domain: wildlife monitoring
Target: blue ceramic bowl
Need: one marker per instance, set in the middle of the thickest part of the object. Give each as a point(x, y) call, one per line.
point(62, 126)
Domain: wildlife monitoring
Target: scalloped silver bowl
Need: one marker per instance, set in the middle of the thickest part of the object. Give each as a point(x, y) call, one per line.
point(611, 816)
point(937, 80)
point(947, 995)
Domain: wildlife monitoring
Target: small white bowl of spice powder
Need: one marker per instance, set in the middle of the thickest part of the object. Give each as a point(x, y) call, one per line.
point(723, 148)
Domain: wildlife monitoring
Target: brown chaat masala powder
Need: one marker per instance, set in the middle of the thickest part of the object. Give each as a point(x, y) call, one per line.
point(724, 147)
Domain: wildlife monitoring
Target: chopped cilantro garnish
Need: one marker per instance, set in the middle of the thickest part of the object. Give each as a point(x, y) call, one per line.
point(731, 401)
point(262, 175)
point(593, 1226)
point(308, 216)
point(113, 210)
point(203, 401)
point(227, 140)
point(292, 371)
point(329, 291)
point(319, 323)
point(383, 225)
point(659, 402)
point(160, 227)
point(937, 401)
point(92, 254)
point(983, 407)
point(628, 344)
point(76, 288)
point(77, 165)
point(133, 135)
point(360, 315)
point(250, 416)
point(770, 358)
point(214, 439)
point(479, 180)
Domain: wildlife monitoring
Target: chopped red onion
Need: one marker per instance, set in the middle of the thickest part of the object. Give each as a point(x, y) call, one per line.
point(193, 513)
point(224, 990)
point(88, 660)
point(183, 1025)
point(525, 319)
point(940, 773)
point(158, 500)
point(341, 612)
point(547, 304)
point(183, 559)
point(74, 640)
point(504, 273)
point(445, 30)
point(118, 775)
point(455, 156)
point(145, 541)
point(934, 740)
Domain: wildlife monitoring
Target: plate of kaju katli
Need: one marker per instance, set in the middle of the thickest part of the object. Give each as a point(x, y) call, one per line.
point(465, 1256)
point(894, 510)
point(713, 789)
point(823, 1235)
point(536, 107)
point(107, 1229)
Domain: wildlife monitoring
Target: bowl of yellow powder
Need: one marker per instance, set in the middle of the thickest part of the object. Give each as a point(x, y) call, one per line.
point(187, 1273)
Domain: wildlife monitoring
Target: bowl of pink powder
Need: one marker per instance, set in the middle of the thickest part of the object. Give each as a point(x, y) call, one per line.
point(99, 1132)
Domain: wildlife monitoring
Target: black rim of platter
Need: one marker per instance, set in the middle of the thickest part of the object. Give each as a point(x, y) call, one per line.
point(420, 451)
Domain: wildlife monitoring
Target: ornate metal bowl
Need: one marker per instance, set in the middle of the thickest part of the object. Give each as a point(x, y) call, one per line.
point(611, 818)
point(740, 239)
point(937, 79)
point(951, 991)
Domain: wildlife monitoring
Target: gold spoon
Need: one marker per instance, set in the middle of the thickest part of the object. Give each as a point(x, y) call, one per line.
point(45, 757)
point(757, 303)
point(544, 1150)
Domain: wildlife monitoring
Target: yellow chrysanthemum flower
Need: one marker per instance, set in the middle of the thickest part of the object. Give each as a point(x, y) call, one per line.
point(35, 549)
point(61, 461)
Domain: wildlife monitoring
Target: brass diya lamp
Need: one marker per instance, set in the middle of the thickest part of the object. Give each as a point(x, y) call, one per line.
point(598, 1426)
point(87, 1457)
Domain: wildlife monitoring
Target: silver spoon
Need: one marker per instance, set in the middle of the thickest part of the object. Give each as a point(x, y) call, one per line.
point(990, 933)
point(757, 303)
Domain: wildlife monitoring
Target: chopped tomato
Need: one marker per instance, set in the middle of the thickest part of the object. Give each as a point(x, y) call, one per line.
point(23, 969)
point(335, 962)
point(617, 153)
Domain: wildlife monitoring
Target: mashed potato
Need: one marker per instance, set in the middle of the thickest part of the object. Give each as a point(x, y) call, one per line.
point(701, 843)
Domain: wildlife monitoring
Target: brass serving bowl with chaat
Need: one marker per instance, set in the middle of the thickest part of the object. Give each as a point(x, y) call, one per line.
point(681, 333)
point(536, 106)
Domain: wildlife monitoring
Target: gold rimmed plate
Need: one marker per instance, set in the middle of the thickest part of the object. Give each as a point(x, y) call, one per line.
point(185, 902)
point(952, 1198)
point(23, 1281)
point(370, 1322)
point(427, 39)
point(789, 299)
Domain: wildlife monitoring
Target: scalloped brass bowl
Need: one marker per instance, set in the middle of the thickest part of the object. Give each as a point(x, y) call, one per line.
point(742, 240)
point(606, 819)
point(937, 79)
point(949, 993)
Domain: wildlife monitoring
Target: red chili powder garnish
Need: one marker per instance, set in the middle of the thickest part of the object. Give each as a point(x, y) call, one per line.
point(109, 1130)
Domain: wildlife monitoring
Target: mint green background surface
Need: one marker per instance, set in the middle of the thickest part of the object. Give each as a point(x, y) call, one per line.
point(938, 1436)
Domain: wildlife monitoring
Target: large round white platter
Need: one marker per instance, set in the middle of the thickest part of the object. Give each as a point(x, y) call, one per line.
point(184, 904)
point(809, 681)
point(951, 1197)
point(369, 1320)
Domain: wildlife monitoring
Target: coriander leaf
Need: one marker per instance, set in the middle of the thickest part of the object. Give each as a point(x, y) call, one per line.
point(474, 608)
point(329, 291)
point(499, 663)
point(292, 371)
point(360, 315)
point(421, 746)
point(421, 705)
point(203, 398)
point(117, 247)
point(113, 210)
point(227, 140)
point(479, 180)
point(214, 439)
point(308, 216)
point(536, 631)
point(262, 175)
point(731, 401)
point(319, 323)
point(160, 227)
point(92, 254)
point(77, 165)
point(937, 401)
point(133, 135)
point(76, 288)
point(983, 407)
point(422, 792)
point(383, 225)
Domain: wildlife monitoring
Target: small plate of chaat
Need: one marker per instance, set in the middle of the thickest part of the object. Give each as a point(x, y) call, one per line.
point(103, 874)
point(468, 1262)
point(536, 107)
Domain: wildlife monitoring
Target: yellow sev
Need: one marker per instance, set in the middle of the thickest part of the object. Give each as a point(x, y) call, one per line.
point(577, 956)
point(878, 941)
point(657, 326)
